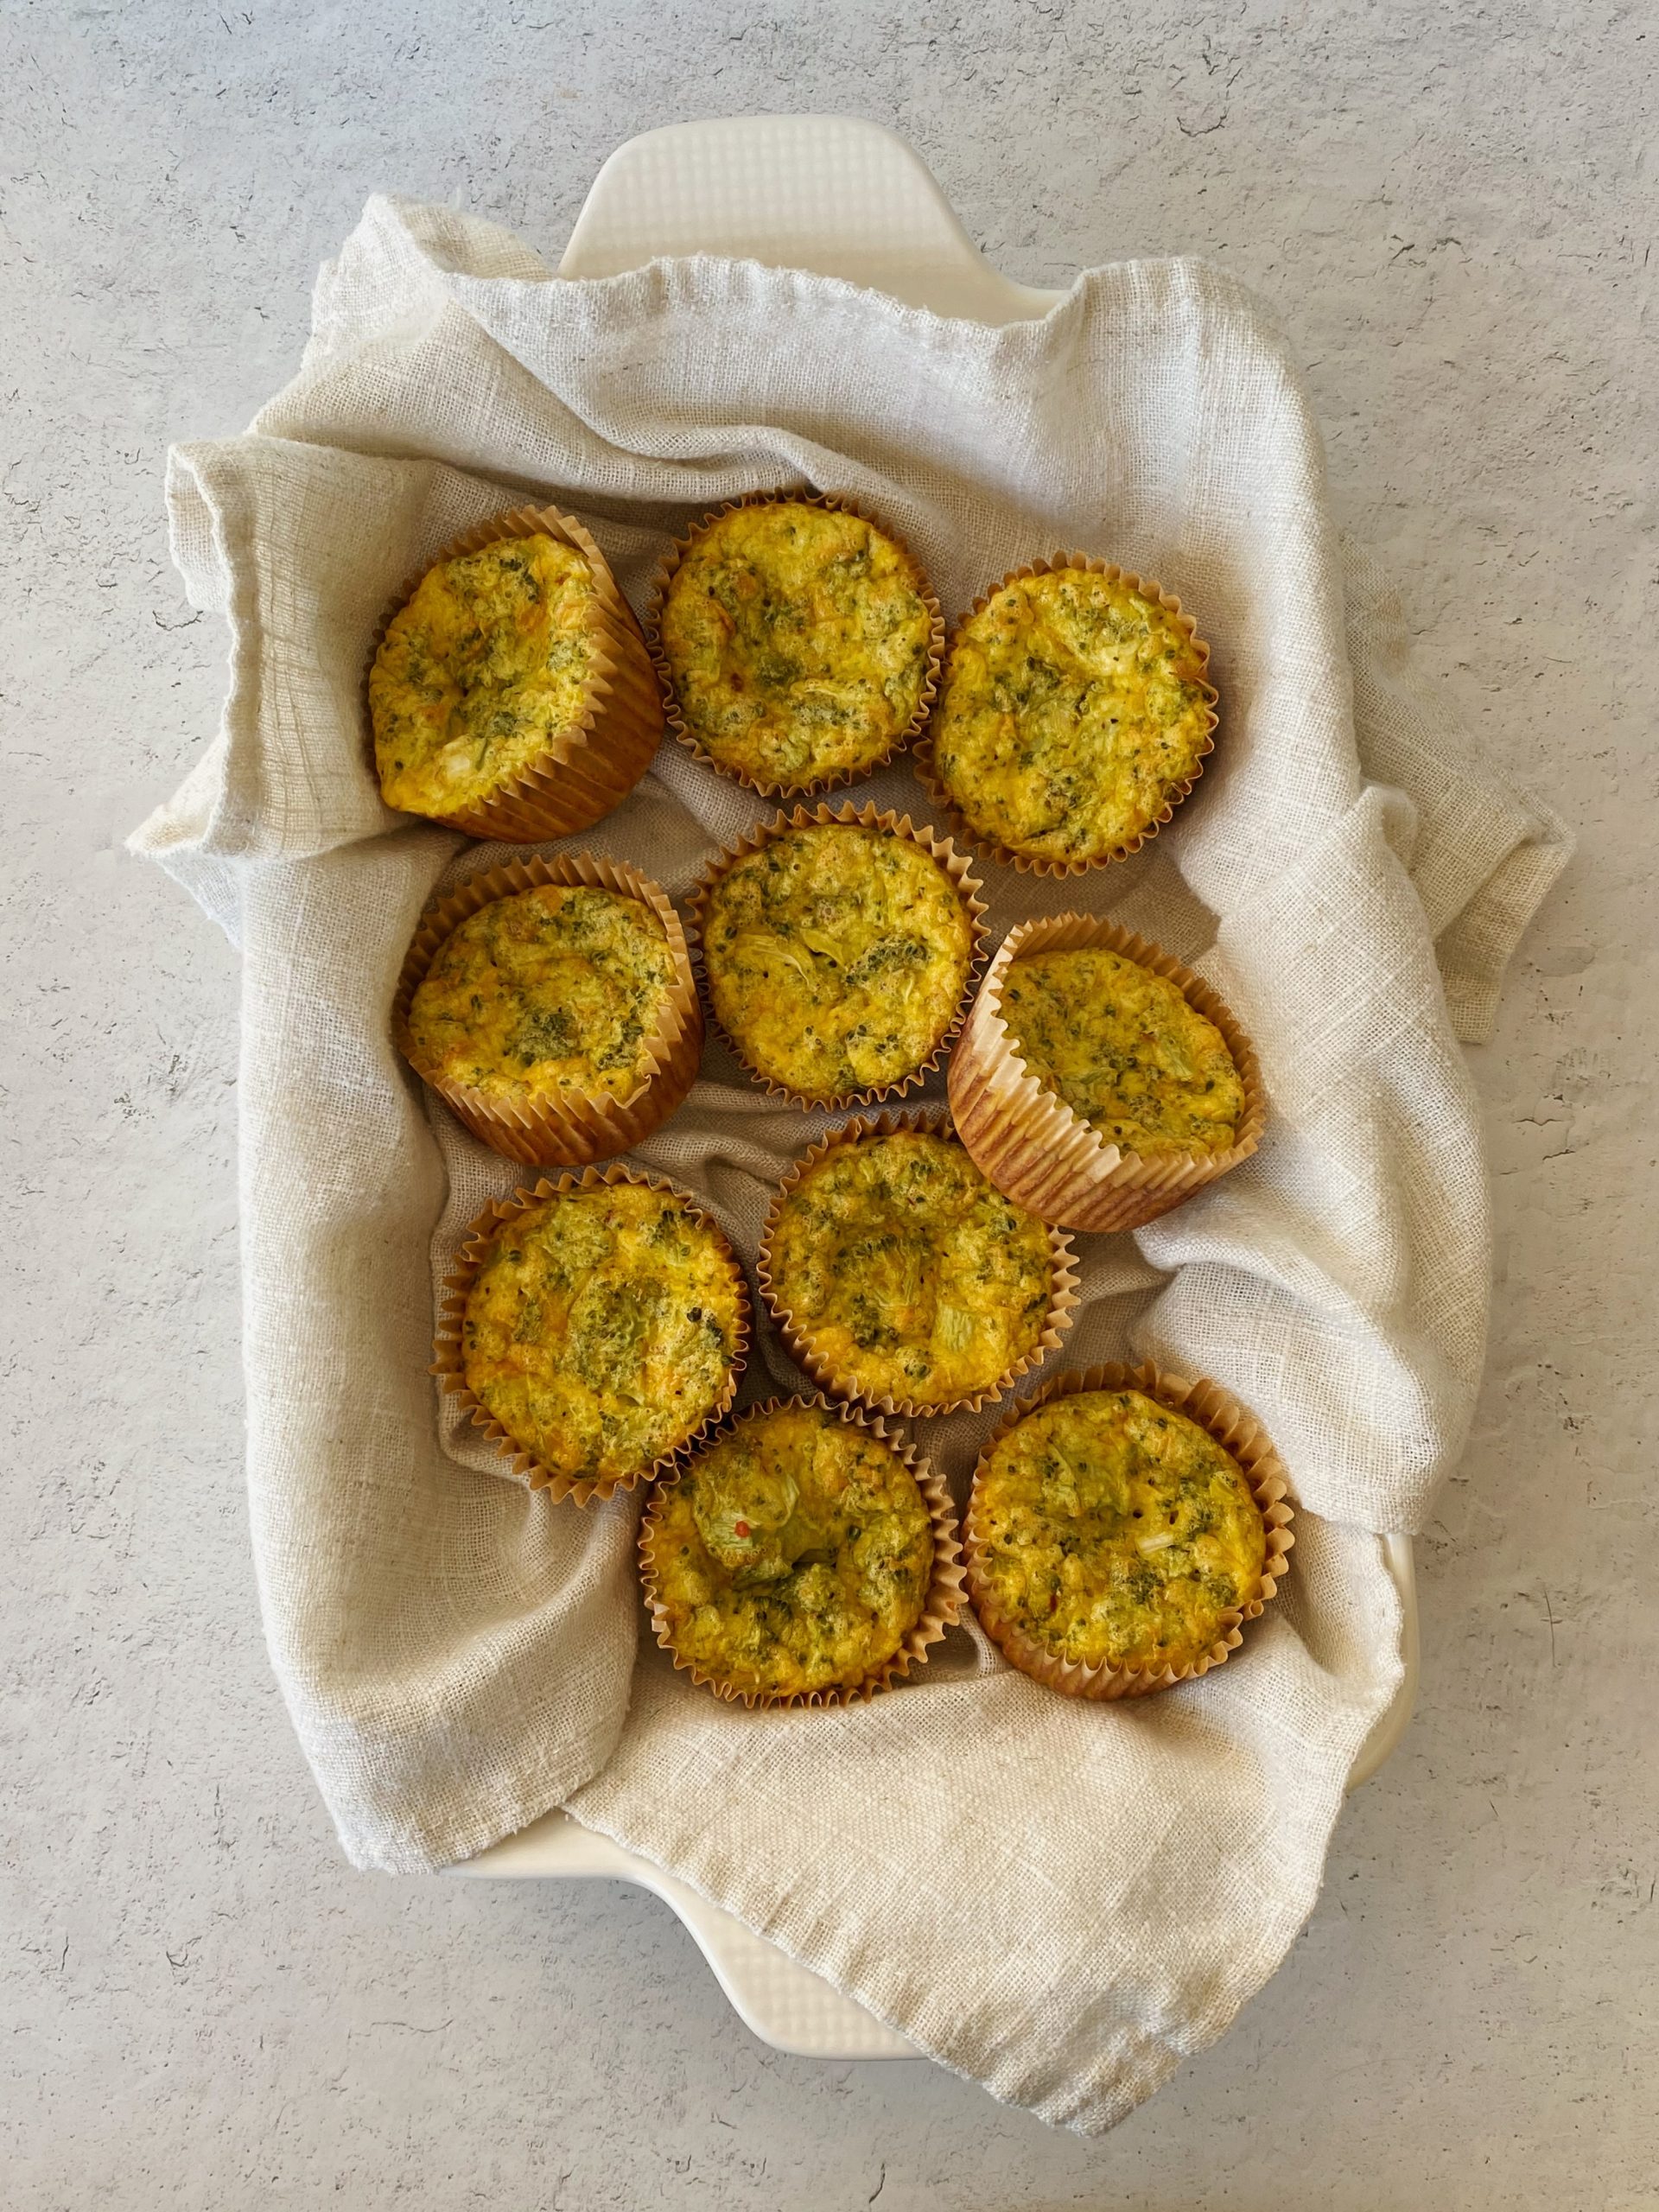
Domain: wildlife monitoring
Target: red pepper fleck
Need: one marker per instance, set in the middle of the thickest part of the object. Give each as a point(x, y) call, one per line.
point(741, 1527)
point(1053, 1601)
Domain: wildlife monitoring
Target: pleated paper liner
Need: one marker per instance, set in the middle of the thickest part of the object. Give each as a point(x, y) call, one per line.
point(1028, 1140)
point(967, 887)
point(665, 576)
point(592, 766)
point(1037, 863)
point(579, 1126)
point(1238, 1430)
point(449, 1362)
point(941, 1608)
point(797, 1339)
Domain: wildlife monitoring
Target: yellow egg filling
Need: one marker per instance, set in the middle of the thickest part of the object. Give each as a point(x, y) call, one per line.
point(1116, 1532)
point(602, 1328)
point(1072, 709)
point(795, 1554)
point(554, 990)
point(1125, 1049)
point(836, 957)
point(909, 1274)
point(799, 641)
point(483, 673)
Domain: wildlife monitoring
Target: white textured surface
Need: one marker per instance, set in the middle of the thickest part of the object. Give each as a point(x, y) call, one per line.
point(1451, 208)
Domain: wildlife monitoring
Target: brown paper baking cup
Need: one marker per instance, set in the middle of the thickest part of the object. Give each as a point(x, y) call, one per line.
point(941, 1608)
point(1029, 1141)
point(1237, 1431)
point(448, 1363)
point(592, 765)
point(581, 1126)
point(665, 576)
point(1062, 1304)
point(1035, 863)
point(967, 885)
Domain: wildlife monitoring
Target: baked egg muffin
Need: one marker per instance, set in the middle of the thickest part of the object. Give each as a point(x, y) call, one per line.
point(1125, 1049)
point(794, 1554)
point(553, 990)
point(1073, 709)
point(799, 643)
point(1113, 1531)
point(601, 1329)
point(908, 1273)
point(482, 673)
point(836, 957)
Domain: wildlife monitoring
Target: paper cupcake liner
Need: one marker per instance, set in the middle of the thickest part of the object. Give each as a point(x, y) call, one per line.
point(1062, 1304)
point(665, 576)
point(967, 885)
point(450, 1366)
point(581, 1126)
point(1029, 1141)
point(1238, 1430)
point(941, 1608)
point(592, 766)
point(1035, 863)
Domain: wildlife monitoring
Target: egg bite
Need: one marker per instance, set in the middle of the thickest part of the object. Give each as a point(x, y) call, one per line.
point(554, 990)
point(1074, 714)
point(1125, 1049)
point(1121, 1527)
point(484, 674)
point(900, 1275)
point(795, 1557)
point(597, 1328)
point(838, 952)
point(799, 642)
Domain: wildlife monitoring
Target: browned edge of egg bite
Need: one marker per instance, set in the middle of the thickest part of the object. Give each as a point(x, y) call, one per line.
point(448, 1360)
point(1032, 1144)
point(1238, 1432)
point(1038, 864)
point(607, 748)
point(835, 503)
point(955, 866)
point(941, 1608)
point(590, 1126)
point(931, 1122)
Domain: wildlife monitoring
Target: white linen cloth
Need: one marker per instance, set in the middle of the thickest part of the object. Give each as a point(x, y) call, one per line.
point(1058, 1899)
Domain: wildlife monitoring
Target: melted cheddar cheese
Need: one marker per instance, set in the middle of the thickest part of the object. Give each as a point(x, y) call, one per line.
point(909, 1274)
point(1072, 709)
point(795, 1554)
point(1123, 1048)
point(1115, 1532)
point(482, 673)
point(557, 989)
point(837, 958)
point(799, 642)
point(602, 1328)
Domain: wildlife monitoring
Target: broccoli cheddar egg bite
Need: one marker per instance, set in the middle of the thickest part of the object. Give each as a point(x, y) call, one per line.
point(900, 1275)
point(799, 643)
point(793, 1557)
point(1125, 1049)
point(483, 673)
point(602, 1328)
point(558, 989)
point(837, 956)
point(1074, 713)
point(1108, 1530)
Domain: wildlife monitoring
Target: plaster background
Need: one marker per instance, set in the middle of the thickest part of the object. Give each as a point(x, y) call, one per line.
point(1452, 208)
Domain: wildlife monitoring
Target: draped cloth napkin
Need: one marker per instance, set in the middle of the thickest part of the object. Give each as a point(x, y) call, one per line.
point(1059, 1900)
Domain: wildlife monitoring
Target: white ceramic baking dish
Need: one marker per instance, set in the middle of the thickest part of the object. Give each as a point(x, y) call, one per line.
point(848, 198)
